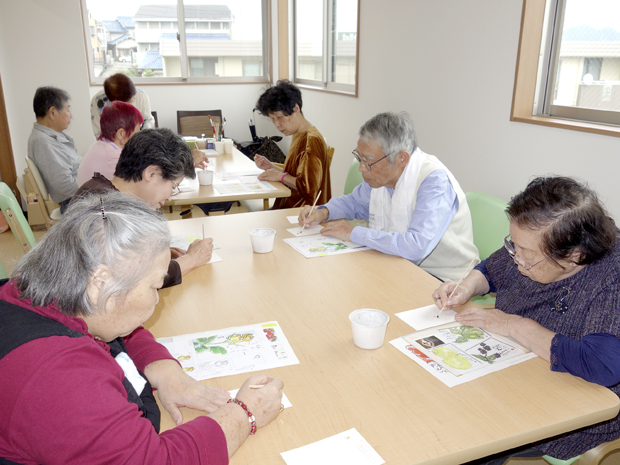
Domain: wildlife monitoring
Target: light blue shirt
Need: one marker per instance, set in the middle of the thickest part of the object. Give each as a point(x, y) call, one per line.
point(436, 205)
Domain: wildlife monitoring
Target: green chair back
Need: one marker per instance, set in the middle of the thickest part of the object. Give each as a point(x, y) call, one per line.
point(354, 178)
point(15, 217)
point(554, 461)
point(3, 273)
point(489, 220)
point(491, 225)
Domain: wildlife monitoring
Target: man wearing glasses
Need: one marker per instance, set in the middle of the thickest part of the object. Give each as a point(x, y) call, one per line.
point(414, 206)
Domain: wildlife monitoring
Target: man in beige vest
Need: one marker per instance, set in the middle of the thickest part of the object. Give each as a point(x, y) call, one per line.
point(414, 206)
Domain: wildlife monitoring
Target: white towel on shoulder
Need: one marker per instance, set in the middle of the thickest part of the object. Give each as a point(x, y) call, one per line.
point(393, 214)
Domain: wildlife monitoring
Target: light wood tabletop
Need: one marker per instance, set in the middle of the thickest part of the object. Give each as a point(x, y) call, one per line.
point(193, 192)
point(406, 414)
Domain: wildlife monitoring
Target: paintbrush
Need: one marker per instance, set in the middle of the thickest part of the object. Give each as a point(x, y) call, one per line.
point(311, 210)
point(457, 285)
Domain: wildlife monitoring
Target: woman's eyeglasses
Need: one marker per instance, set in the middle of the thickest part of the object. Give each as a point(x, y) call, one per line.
point(175, 188)
point(510, 247)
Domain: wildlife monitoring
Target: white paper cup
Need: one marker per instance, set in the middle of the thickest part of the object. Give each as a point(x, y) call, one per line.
point(219, 147)
point(368, 327)
point(262, 239)
point(228, 146)
point(205, 177)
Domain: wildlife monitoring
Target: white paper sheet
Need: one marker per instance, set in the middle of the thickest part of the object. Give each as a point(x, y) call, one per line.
point(426, 317)
point(348, 447)
point(230, 351)
point(234, 188)
point(236, 174)
point(307, 231)
point(184, 240)
point(293, 219)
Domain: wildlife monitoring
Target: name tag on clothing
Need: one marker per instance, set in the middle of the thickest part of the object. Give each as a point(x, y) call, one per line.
point(131, 372)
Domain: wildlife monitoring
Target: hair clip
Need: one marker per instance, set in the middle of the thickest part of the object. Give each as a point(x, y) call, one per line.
point(102, 209)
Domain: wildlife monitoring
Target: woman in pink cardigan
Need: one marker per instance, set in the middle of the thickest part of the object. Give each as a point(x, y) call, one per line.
point(119, 121)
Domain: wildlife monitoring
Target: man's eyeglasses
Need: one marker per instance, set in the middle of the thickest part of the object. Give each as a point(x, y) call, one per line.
point(510, 247)
point(175, 188)
point(363, 162)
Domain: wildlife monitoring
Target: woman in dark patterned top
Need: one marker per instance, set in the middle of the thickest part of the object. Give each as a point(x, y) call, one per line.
point(558, 292)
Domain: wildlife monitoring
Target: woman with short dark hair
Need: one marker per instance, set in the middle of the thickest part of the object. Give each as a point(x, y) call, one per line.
point(306, 169)
point(558, 287)
point(76, 366)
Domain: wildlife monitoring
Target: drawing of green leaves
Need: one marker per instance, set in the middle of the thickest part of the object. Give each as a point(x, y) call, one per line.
point(489, 359)
point(466, 333)
point(202, 344)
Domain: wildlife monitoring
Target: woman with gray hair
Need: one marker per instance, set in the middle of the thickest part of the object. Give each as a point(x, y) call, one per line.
point(77, 368)
point(557, 280)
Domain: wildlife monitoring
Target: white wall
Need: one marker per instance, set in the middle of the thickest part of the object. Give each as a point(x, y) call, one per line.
point(450, 64)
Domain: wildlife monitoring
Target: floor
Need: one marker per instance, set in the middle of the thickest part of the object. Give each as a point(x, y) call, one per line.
point(11, 251)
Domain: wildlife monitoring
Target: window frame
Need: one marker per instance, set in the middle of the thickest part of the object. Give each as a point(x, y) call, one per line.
point(526, 94)
point(324, 85)
point(185, 78)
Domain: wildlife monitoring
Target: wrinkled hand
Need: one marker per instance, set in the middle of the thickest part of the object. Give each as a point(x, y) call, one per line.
point(460, 297)
point(270, 175)
point(175, 252)
point(340, 229)
point(200, 251)
point(492, 320)
point(264, 402)
point(177, 389)
point(200, 159)
point(318, 216)
point(263, 163)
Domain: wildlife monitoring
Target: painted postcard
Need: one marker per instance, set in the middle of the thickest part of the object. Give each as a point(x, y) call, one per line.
point(320, 246)
point(231, 351)
point(455, 353)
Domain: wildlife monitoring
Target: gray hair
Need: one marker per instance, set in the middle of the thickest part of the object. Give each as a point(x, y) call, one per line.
point(393, 132)
point(127, 241)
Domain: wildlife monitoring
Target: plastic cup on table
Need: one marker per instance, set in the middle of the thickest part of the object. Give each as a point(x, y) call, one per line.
point(228, 146)
point(262, 240)
point(369, 326)
point(205, 177)
point(219, 147)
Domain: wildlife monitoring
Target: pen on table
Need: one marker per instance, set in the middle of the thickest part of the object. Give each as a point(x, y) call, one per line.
point(457, 285)
point(256, 386)
point(203, 232)
point(311, 210)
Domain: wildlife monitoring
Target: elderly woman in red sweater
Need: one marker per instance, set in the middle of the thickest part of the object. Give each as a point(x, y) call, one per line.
point(76, 366)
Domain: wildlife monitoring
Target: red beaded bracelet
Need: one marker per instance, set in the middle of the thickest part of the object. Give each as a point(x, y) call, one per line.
point(282, 178)
point(250, 416)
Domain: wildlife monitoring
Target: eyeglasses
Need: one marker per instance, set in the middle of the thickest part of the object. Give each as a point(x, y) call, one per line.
point(560, 304)
point(363, 162)
point(175, 188)
point(510, 247)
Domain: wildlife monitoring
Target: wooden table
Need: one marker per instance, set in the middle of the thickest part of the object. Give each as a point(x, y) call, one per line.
point(193, 192)
point(406, 415)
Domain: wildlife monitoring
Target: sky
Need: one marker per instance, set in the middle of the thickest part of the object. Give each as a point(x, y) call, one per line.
point(596, 13)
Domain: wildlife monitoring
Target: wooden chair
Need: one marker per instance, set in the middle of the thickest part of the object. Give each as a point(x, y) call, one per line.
point(44, 210)
point(594, 456)
point(196, 123)
point(15, 217)
point(330, 155)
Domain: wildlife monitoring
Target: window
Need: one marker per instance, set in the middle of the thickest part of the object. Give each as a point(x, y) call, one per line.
point(182, 40)
point(568, 70)
point(325, 44)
